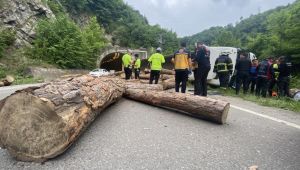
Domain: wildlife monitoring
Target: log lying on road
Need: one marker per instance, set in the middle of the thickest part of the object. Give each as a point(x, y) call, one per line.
point(148, 87)
point(166, 71)
point(210, 109)
point(169, 84)
point(40, 123)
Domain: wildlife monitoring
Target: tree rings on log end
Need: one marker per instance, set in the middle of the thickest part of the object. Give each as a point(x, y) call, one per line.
point(30, 129)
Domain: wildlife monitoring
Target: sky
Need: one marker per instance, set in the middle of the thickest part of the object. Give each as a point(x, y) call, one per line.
point(188, 17)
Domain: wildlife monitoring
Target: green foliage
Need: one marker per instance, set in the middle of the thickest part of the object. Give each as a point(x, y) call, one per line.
point(55, 7)
point(295, 81)
point(7, 38)
point(63, 43)
point(274, 32)
point(127, 26)
point(3, 72)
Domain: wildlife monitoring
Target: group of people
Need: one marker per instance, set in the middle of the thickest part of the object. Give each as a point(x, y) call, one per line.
point(268, 77)
point(184, 64)
point(131, 65)
point(261, 77)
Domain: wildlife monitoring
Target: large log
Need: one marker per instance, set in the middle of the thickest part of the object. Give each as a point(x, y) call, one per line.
point(40, 123)
point(148, 87)
point(169, 84)
point(169, 72)
point(207, 108)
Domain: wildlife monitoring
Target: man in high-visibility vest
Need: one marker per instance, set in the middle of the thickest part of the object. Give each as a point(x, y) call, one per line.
point(156, 60)
point(137, 66)
point(274, 78)
point(127, 62)
point(182, 63)
point(223, 67)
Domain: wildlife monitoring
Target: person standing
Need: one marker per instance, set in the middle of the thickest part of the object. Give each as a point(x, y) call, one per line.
point(253, 75)
point(156, 60)
point(127, 62)
point(202, 57)
point(274, 79)
point(137, 66)
point(194, 69)
point(284, 77)
point(223, 67)
point(242, 68)
point(264, 75)
point(182, 64)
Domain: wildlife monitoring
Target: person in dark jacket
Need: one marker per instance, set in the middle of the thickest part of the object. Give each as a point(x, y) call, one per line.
point(223, 67)
point(242, 68)
point(253, 75)
point(202, 57)
point(284, 69)
point(194, 66)
point(264, 74)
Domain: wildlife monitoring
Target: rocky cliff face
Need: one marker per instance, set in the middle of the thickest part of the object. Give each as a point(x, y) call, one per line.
point(23, 15)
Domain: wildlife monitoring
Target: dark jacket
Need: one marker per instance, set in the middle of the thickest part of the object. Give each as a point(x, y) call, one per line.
point(284, 70)
point(253, 71)
point(223, 64)
point(265, 70)
point(243, 65)
point(202, 56)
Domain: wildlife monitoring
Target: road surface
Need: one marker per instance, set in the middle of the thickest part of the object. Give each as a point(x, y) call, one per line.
point(131, 135)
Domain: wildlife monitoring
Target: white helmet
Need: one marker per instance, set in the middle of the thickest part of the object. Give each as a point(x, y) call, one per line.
point(159, 49)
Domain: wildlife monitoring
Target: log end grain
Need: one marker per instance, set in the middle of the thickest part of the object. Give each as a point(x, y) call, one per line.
point(30, 130)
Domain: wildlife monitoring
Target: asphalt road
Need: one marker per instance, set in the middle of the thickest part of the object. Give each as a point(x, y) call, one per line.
point(131, 135)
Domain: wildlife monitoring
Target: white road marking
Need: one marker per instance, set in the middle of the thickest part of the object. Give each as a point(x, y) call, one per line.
point(267, 117)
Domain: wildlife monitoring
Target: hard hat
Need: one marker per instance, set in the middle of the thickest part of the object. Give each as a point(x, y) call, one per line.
point(159, 49)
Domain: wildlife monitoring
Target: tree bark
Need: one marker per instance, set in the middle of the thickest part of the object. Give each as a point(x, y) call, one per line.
point(148, 87)
point(169, 72)
point(206, 108)
point(40, 123)
point(169, 84)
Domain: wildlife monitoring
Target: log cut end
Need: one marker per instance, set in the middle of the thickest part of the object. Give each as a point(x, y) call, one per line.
point(30, 129)
point(225, 113)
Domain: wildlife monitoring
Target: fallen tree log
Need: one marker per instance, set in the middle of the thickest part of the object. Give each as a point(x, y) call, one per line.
point(148, 87)
point(206, 108)
point(40, 123)
point(166, 71)
point(147, 77)
point(168, 84)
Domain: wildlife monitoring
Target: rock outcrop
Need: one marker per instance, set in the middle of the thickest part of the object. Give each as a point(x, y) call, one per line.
point(23, 15)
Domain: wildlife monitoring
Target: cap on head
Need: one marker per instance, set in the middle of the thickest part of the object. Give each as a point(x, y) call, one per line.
point(159, 49)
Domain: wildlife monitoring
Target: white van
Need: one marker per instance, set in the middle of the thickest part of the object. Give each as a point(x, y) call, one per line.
point(214, 54)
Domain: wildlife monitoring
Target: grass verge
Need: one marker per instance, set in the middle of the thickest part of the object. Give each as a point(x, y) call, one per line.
point(283, 102)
